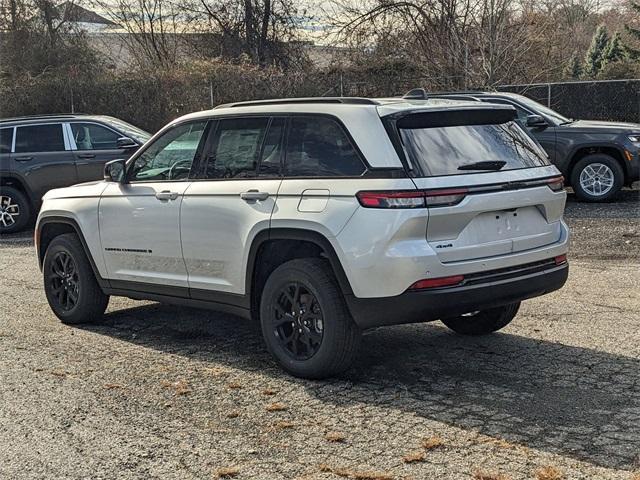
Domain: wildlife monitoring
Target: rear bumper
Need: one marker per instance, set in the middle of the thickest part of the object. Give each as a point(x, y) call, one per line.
point(486, 290)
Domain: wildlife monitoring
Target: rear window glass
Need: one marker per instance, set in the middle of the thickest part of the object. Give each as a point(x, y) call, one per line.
point(6, 138)
point(455, 149)
point(40, 138)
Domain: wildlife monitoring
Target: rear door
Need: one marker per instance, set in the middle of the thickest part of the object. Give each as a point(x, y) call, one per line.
point(489, 188)
point(43, 156)
point(93, 145)
point(230, 202)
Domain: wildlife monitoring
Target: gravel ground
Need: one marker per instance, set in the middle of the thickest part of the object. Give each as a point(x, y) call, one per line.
point(157, 391)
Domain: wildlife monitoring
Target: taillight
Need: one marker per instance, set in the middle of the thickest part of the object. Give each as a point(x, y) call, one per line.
point(412, 198)
point(560, 259)
point(445, 197)
point(392, 199)
point(437, 282)
point(556, 184)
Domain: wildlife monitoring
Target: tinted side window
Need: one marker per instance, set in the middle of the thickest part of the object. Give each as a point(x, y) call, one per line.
point(319, 147)
point(170, 156)
point(6, 138)
point(236, 148)
point(89, 136)
point(522, 114)
point(270, 158)
point(40, 138)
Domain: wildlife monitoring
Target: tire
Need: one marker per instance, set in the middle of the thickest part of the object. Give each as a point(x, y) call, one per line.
point(15, 210)
point(606, 169)
point(324, 347)
point(73, 292)
point(484, 321)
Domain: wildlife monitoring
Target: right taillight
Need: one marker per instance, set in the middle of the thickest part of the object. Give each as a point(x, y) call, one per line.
point(556, 184)
point(560, 259)
point(412, 198)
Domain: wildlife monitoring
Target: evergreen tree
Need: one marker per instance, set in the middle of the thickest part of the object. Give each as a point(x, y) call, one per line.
point(615, 51)
point(634, 33)
point(573, 69)
point(595, 54)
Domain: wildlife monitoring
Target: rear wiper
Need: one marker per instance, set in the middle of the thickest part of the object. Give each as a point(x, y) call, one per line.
point(491, 165)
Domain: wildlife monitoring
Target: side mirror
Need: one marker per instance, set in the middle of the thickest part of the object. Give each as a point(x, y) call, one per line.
point(114, 170)
point(536, 121)
point(126, 142)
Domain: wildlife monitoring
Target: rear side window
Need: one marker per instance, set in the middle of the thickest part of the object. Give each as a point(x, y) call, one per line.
point(236, 148)
point(465, 140)
point(89, 136)
point(40, 138)
point(319, 147)
point(6, 139)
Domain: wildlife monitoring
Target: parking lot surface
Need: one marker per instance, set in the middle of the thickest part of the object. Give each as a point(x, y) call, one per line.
point(157, 391)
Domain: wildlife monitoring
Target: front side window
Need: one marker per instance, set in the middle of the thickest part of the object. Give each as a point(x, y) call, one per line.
point(6, 139)
point(319, 147)
point(170, 156)
point(236, 148)
point(40, 138)
point(89, 136)
point(460, 147)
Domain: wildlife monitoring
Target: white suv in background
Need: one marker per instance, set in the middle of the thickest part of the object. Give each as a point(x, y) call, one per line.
point(319, 218)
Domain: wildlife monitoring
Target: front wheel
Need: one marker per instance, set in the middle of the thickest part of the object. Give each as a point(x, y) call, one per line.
point(483, 322)
point(596, 178)
point(69, 283)
point(305, 322)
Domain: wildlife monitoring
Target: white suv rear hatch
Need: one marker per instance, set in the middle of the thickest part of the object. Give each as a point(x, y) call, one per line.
point(489, 187)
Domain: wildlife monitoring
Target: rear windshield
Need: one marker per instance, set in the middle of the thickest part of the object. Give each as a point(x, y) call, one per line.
point(458, 147)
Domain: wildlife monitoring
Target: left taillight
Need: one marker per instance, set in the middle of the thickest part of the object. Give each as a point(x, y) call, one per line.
point(437, 282)
point(412, 198)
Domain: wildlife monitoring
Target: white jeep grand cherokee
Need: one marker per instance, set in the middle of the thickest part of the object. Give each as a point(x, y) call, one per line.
point(320, 218)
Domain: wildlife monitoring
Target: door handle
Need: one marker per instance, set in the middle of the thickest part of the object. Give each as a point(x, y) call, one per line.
point(166, 195)
point(86, 155)
point(253, 195)
point(23, 159)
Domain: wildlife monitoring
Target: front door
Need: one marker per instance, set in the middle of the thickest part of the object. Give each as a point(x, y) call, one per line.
point(93, 145)
point(231, 203)
point(140, 220)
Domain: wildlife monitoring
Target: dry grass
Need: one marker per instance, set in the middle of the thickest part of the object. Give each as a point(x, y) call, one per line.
point(180, 387)
point(484, 475)
point(113, 386)
point(227, 472)
point(276, 407)
point(355, 474)
point(234, 386)
point(282, 425)
point(217, 371)
point(549, 472)
point(636, 476)
point(269, 391)
point(335, 437)
point(430, 443)
point(415, 456)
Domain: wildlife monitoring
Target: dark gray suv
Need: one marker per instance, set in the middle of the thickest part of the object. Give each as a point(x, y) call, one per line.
point(52, 151)
point(596, 158)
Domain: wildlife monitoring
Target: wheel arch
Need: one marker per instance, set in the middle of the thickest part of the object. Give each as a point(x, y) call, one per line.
point(17, 182)
point(280, 245)
point(610, 149)
point(51, 227)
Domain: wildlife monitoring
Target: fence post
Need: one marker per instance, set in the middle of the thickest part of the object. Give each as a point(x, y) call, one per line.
point(211, 92)
point(549, 95)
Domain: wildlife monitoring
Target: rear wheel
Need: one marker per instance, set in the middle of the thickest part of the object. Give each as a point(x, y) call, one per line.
point(483, 322)
point(69, 283)
point(15, 211)
point(597, 178)
point(305, 322)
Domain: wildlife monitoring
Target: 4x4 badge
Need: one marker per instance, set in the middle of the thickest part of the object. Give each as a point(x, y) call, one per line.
point(444, 245)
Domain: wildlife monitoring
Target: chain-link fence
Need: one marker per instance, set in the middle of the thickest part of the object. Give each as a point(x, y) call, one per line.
point(617, 100)
point(151, 101)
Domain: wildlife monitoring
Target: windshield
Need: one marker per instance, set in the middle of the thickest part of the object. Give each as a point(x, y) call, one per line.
point(468, 149)
point(128, 129)
point(546, 111)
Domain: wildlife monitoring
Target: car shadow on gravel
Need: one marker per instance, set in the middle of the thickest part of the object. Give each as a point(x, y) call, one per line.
point(567, 400)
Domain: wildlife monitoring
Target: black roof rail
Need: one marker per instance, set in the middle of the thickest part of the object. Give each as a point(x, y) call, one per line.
point(282, 101)
point(416, 94)
point(44, 116)
point(462, 92)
